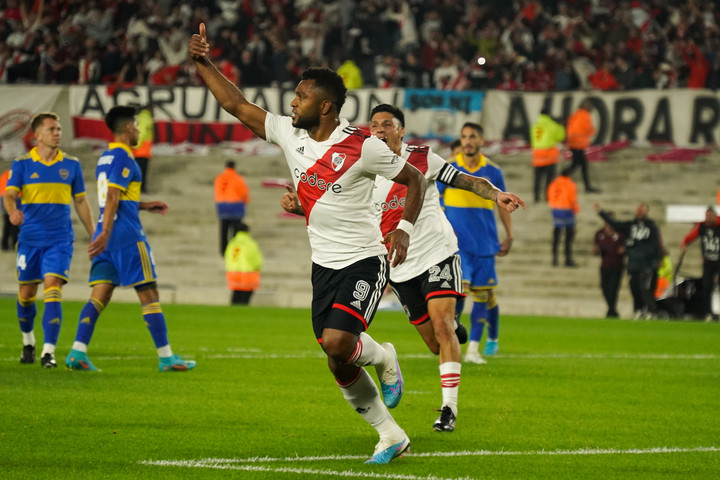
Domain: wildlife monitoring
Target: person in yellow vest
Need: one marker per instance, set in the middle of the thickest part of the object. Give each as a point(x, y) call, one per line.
point(351, 74)
point(563, 200)
point(664, 277)
point(143, 151)
point(243, 261)
point(545, 134)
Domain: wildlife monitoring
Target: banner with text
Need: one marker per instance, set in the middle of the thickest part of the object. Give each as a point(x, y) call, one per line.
point(191, 114)
point(682, 117)
point(18, 104)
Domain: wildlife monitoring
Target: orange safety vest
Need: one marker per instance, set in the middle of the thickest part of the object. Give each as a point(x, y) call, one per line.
point(3, 181)
point(230, 187)
point(562, 194)
point(542, 157)
point(243, 280)
point(580, 130)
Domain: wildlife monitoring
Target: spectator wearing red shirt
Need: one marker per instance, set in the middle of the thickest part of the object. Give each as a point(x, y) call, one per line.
point(699, 65)
point(539, 79)
point(508, 82)
point(603, 78)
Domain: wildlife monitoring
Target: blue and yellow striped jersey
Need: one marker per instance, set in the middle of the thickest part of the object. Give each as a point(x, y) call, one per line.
point(47, 189)
point(117, 168)
point(473, 217)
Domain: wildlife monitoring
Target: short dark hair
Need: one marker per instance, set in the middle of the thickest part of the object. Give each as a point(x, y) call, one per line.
point(230, 164)
point(39, 118)
point(455, 143)
point(394, 111)
point(566, 172)
point(586, 104)
point(476, 126)
point(119, 116)
point(329, 81)
point(240, 226)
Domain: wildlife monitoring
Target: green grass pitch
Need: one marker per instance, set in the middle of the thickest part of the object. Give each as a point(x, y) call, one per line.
point(564, 399)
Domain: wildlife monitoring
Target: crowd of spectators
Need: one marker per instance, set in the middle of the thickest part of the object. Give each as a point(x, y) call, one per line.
point(443, 44)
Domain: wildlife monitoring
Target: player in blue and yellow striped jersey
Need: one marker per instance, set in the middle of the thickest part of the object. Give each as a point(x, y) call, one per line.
point(47, 181)
point(120, 252)
point(473, 219)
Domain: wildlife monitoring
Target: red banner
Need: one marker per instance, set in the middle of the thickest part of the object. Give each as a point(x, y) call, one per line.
point(171, 132)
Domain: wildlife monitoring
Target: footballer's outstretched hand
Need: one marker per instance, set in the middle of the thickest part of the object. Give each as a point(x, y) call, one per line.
point(509, 201)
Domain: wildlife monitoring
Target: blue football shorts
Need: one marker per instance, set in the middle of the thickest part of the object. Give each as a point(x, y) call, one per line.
point(478, 272)
point(33, 264)
point(127, 267)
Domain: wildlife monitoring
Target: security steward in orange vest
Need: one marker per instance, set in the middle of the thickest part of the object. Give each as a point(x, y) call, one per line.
point(580, 131)
point(9, 231)
point(563, 201)
point(231, 197)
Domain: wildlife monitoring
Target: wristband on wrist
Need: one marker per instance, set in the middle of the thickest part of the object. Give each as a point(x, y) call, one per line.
point(405, 226)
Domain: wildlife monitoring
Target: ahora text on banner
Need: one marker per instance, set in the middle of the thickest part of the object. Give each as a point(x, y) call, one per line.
point(682, 117)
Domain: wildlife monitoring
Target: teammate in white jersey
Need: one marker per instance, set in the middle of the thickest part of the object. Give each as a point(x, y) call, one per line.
point(429, 282)
point(333, 167)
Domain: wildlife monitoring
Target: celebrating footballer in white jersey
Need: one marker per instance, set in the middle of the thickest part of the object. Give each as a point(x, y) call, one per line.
point(333, 167)
point(429, 282)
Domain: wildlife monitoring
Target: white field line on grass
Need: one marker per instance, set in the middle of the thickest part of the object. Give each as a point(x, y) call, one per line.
point(250, 464)
point(256, 355)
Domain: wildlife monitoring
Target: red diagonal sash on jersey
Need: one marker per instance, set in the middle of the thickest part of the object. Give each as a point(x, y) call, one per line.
point(395, 200)
point(328, 170)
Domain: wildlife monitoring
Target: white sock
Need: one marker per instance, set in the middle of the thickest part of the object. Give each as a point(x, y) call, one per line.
point(450, 383)
point(363, 396)
point(368, 352)
point(473, 346)
point(80, 347)
point(165, 351)
point(28, 338)
point(48, 348)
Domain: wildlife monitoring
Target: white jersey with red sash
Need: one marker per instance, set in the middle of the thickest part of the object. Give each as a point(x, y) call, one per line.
point(334, 180)
point(433, 239)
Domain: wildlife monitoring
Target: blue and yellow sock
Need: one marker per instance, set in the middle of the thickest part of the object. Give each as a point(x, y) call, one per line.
point(477, 320)
point(493, 319)
point(88, 318)
point(52, 316)
point(155, 322)
point(26, 312)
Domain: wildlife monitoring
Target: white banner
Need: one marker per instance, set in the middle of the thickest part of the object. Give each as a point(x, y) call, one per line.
point(197, 103)
point(18, 104)
point(682, 117)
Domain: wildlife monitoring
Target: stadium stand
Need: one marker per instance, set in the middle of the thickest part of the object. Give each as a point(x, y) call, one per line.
point(527, 45)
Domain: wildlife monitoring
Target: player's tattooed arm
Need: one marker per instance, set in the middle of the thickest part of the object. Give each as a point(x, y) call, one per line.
point(477, 185)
